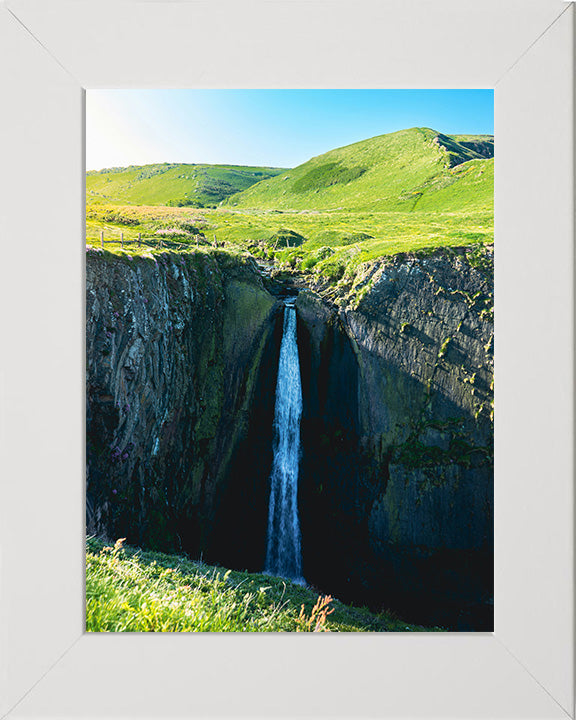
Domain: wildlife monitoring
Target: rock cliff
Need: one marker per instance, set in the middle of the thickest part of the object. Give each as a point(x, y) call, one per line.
point(173, 347)
point(396, 477)
point(398, 410)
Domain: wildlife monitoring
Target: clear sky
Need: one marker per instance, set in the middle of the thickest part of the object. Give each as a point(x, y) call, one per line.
point(279, 128)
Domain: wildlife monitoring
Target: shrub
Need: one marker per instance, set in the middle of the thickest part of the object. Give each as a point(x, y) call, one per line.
point(313, 258)
point(286, 238)
point(332, 268)
point(351, 238)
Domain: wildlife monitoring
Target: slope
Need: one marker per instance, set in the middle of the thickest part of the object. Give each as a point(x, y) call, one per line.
point(172, 184)
point(412, 169)
point(133, 590)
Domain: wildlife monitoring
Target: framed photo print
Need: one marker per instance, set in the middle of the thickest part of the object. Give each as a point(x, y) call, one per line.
point(288, 302)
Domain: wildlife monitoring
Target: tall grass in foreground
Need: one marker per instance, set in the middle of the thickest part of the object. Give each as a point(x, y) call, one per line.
point(130, 590)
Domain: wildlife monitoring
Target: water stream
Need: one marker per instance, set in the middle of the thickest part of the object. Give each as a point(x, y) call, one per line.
point(283, 551)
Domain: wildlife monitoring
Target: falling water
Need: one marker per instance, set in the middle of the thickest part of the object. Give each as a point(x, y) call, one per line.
point(283, 553)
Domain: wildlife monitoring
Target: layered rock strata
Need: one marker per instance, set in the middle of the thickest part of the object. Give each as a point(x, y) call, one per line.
point(173, 349)
point(398, 411)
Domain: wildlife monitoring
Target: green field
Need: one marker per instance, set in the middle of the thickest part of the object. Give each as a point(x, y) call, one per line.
point(333, 244)
point(180, 185)
point(130, 590)
point(407, 191)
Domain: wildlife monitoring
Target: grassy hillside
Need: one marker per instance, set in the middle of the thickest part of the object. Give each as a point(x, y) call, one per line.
point(331, 245)
point(170, 184)
point(130, 590)
point(407, 191)
point(408, 170)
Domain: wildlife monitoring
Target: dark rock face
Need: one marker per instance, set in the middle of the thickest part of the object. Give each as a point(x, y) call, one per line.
point(173, 349)
point(397, 474)
point(241, 509)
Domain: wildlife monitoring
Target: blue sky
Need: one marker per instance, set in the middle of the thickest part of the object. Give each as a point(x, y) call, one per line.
point(280, 128)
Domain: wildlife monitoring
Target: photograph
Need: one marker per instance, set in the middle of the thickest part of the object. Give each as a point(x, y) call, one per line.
point(289, 338)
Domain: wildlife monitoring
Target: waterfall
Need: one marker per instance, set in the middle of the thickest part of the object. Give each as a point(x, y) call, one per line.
point(283, 552)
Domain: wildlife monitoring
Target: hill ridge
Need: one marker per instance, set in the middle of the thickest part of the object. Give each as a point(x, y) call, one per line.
point(173, 184)
point(412, 169)
point(392, 171)
point(121, 168)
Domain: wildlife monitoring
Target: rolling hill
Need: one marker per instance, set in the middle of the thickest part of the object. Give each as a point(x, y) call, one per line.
point(177, 185)
point(406, 191)
point(415, 169)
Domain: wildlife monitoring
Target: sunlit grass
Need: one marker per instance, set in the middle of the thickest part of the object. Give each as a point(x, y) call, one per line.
point(131, 590)
point(406, 191)
point(410, 170)
point(352, 238)
point(171, 184)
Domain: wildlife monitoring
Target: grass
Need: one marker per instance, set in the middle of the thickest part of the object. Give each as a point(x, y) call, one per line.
point(336, 243)
point(403, 171)
point(132, 590)
point(409, 191)
point(179, 185)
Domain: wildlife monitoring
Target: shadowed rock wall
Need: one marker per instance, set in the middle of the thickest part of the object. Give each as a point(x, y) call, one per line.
point(173, 349)
point(397, 472)
point(396, 480)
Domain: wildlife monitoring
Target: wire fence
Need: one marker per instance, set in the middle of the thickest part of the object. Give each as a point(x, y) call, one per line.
point(160, 242)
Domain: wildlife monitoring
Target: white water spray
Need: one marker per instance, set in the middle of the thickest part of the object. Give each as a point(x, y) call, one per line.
point(283, 552)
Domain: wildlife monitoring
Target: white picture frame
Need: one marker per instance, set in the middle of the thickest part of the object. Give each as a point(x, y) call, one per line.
point(51, 50)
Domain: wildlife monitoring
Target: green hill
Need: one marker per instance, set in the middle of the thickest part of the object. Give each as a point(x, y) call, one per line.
point(172, 184)
point(415, 169)
point(406, 191)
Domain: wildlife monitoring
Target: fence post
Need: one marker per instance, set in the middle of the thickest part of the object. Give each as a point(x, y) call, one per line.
point(139, 239)
point(102, 239)
point(122, 239)
point(215, 243)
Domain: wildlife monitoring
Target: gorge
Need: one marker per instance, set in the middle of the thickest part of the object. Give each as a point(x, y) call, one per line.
point(395, 475)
